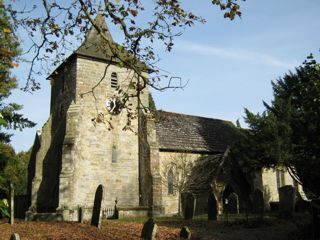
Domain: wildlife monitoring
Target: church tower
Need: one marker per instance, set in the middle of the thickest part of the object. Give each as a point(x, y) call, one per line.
point(85, 143)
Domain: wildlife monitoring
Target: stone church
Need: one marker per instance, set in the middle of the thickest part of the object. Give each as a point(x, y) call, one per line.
point(77, 150)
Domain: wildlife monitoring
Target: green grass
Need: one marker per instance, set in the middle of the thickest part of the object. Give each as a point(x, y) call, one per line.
point(131, 219)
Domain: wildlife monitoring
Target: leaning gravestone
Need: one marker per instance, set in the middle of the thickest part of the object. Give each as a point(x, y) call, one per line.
point(96, 211)
point(15, 236)
point(185, 233)
point(287, 200)
point(149, 230)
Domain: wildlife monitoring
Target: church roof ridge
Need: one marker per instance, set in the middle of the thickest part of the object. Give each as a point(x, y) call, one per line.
point(196, 116)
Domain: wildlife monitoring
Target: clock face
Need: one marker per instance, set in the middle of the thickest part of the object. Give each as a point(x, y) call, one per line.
point(113, 105)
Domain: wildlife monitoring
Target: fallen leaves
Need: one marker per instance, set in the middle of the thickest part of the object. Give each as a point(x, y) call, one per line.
point(112, 230)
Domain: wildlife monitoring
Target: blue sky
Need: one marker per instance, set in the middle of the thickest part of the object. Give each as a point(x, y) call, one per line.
point(229, 65)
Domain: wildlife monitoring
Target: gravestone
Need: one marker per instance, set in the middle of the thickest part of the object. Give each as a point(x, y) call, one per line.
point(81, 214)
point(233, 205)
point(185, 233)
point(212, 207)
point(258, 202)
point(96, 211)
point(189, 206)
point(116, 211)
point(15, 236)
point(287, 200)
point(149, 230)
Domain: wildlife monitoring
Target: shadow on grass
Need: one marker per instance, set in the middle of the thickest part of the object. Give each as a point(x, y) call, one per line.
point(241, 220)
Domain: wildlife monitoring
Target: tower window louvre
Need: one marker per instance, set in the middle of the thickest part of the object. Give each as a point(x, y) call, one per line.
point(114, 80)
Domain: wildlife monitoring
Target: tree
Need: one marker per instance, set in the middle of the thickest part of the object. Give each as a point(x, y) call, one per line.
point(287, 132)
point(9, 52)
point(13, 169)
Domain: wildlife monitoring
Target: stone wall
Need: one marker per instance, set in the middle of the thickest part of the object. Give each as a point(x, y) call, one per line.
point(270, 187)
point(45, 185)
point(170, 201)
point(88, 146)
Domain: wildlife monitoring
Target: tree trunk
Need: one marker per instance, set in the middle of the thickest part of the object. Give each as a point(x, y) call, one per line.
point(11, 204)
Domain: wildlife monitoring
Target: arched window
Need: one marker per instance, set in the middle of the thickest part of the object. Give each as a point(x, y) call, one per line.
point(170, 182)
point(114, 154)
point(114, 80)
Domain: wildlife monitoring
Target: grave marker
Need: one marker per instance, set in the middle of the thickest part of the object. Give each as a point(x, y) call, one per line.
point(185, 233)
point(286, 201)
point(96, 211)
point(149, 230)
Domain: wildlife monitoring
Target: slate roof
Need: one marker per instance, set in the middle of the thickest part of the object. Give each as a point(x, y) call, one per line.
point(179, 132)
point(96, 47)
point(94, 44)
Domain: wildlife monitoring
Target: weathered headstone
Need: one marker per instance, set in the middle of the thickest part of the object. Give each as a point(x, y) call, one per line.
point(81, 214)
point(189, 206)
point(149, 230)
point(258, 202)
point(96, 211)
point(212, 207)
point(287, 200)
point(15, 236)
point(233, 206)
point(185, 233)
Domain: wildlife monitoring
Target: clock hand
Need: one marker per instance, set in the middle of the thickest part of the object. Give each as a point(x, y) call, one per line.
point(114, 104)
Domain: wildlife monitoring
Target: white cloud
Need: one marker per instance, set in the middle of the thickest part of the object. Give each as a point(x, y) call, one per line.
point(237, 54)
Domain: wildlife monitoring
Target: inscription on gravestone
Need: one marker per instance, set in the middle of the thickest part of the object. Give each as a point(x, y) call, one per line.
point(96, 211)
